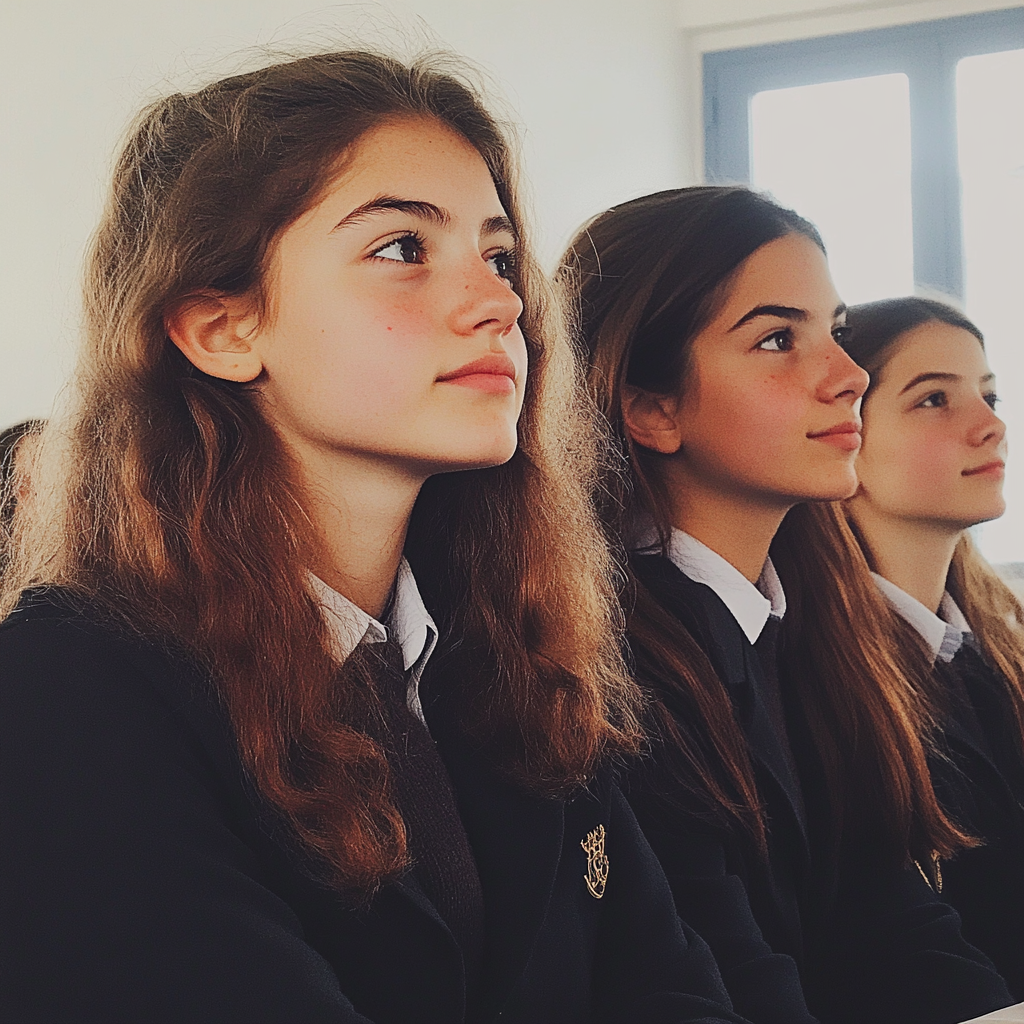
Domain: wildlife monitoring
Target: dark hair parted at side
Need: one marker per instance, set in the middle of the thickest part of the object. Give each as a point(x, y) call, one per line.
point(165, 499)
point(993, 610)
point(648, 276)
point(875, 326)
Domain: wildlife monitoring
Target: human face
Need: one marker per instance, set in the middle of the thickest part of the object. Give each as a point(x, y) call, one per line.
point(768, 410)
point(934, 449)
point(392, 337)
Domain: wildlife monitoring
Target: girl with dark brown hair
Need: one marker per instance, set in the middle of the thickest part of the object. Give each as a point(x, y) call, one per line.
point(248, 772)
point(787, 792)
point(931, 466)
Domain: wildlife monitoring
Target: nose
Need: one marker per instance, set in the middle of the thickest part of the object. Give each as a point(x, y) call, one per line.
point(987, 427)
point(841, 377)
point(484, 301)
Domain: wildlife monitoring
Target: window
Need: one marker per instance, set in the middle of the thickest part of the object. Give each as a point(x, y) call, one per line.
point(906, 147)
point(847, 169)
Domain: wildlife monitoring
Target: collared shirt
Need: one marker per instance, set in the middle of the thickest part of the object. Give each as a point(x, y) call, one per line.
point(750, 605)
point(944, 633)
point(414, 628)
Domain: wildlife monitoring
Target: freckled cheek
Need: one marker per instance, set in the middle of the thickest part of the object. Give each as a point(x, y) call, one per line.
point(356, 365)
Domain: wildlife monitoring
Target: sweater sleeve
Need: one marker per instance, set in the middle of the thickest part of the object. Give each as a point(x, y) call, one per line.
point(126, 894)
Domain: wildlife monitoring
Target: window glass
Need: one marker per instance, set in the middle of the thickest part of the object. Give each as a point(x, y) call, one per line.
point(990, 131)
point(839, 154)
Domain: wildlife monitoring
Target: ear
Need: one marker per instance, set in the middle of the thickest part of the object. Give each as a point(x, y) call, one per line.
point(216, 334)
point(651, 420)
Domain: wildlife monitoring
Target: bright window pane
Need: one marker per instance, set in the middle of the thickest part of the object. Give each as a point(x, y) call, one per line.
point(839, 154)
point(990, 125)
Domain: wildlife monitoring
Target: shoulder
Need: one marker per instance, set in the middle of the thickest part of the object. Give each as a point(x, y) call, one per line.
point(696, 604)
point(74, 683)
point(698, 609)
point(56, 640)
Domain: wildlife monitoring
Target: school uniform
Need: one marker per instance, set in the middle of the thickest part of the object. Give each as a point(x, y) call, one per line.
point(979, 777)
point(143, 878)
point(885, 948)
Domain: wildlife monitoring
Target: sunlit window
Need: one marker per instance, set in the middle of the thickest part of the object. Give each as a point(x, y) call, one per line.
point(839, 154)
point(990, 129)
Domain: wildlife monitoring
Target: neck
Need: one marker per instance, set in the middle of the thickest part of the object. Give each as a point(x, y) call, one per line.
point(915, 556)
point(735, 526)
point(360, 514)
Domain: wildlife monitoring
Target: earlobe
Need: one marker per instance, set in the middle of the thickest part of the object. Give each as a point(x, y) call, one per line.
point(651, 420)
point(215, 333)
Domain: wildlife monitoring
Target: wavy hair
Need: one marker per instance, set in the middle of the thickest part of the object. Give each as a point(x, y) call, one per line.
point(647, 277)
point(989, 605)
point(165, 500)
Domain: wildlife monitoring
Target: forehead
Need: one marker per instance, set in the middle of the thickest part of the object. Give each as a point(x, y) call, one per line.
point(415, 158)
point(788, 271)
point(935, 347)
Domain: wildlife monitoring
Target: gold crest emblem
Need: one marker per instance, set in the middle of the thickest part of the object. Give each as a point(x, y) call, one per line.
point(597, 863)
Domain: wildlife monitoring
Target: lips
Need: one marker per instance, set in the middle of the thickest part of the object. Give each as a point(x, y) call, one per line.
point(845, 436)
point(995, 467)
point(495, 373)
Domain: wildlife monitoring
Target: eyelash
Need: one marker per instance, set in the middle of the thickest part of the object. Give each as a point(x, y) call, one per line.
point(784, 337)
point(990, 399)
point(410, 236)
point(506, 257)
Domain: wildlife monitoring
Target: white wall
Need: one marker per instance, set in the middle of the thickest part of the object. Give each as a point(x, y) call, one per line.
point(608, 90)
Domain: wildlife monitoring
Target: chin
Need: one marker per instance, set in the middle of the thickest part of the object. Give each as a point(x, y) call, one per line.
point(483, 457)
point(987, 515)
point(838, 488)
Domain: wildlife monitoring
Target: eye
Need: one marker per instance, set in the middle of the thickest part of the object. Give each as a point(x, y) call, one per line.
point(841, 334)
point(503, 263)
point(780, 341)
point(991, 398)
point(407, 249)
point(936, 400)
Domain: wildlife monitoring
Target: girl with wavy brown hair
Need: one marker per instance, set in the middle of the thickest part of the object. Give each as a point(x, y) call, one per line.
point(787, 790)
point(931, 467)
point(310, 668)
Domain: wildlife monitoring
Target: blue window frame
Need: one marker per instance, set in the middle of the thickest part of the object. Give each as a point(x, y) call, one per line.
point(927, 53)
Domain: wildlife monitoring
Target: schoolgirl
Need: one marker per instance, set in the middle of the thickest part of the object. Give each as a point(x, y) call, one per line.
point(787, 792)
point(248, 772)
point(931, 466)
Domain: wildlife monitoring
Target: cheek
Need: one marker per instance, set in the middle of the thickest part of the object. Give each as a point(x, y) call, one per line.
point(911, 466)
point(334, 363)
point(755, 422)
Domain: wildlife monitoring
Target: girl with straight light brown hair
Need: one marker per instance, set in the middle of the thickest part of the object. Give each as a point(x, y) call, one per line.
point(310, 673)
point(787, 792)
point(930, 468)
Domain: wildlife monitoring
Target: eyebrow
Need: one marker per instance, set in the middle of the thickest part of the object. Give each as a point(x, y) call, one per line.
point(421, 209)
point(950, 377)
point(783, 312)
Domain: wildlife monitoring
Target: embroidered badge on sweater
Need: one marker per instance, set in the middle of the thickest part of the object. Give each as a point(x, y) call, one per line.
point(597, 863)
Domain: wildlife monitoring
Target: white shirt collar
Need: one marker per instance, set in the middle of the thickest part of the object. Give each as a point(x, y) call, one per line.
point(944, 634)
point(750, 605)
point(414, 628)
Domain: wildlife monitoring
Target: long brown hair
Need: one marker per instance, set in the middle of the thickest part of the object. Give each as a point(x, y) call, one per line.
point(993, 610)
point(647, 277)
point(164, 499)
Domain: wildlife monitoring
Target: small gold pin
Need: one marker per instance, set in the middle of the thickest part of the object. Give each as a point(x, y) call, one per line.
point(597, 863)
